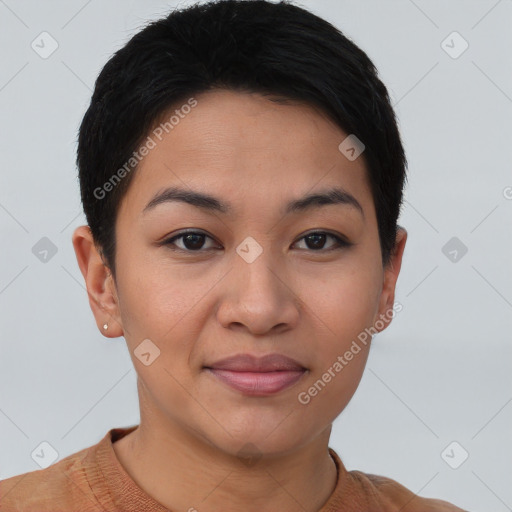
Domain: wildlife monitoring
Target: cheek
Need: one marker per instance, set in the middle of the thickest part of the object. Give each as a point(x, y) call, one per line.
point(341, 351)
point(342, 343)
point(347, 301)
point(164, 311)
point(155, 301)
point(343, 308)
point(329, 390)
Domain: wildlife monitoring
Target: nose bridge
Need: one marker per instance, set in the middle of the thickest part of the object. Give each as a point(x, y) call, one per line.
point(256, 268)
point(257, 295)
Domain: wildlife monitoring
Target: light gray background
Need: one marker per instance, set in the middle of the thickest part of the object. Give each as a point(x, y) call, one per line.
point(440, 373)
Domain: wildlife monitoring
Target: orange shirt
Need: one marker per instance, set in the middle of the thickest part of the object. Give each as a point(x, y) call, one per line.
point(93, 480)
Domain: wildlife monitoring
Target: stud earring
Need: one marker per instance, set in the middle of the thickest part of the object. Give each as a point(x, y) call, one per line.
point(105, 326)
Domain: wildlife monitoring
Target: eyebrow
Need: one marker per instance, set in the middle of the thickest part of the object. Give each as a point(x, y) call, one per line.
point(207, 202)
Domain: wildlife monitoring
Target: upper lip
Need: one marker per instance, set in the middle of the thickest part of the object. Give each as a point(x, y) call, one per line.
point(250, 363)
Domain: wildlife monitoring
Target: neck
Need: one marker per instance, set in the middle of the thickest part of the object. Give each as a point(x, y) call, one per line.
point(182, 471)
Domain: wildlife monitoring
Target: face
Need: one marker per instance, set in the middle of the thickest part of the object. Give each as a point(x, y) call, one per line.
point(255, 268)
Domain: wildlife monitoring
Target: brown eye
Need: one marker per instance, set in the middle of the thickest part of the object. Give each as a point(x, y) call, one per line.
point(194, 241)
point(316, 241)
point(190, 241)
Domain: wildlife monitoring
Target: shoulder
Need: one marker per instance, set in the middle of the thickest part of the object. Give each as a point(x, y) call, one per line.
point(59, 487)
point(395, 497)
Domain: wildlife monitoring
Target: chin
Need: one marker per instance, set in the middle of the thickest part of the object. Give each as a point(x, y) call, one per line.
point(256, 435)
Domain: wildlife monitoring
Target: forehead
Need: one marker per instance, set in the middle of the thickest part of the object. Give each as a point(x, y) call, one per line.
point(244, 147)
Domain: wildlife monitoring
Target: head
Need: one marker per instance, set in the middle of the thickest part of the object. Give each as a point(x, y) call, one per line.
point(241, 173)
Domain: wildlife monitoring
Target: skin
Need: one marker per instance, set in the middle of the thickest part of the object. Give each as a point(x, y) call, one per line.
point(199, 307)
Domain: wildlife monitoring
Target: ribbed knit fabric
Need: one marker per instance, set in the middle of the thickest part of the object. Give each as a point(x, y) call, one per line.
point(93, 480)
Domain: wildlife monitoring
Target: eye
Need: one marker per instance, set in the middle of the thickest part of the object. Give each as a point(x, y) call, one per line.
point(194, 241)
point(190, 241)
point(316, 241)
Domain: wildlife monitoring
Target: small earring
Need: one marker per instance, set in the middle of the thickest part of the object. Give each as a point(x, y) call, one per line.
point(105, 326)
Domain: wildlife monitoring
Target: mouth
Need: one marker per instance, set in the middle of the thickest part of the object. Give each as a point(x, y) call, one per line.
point(257, 376)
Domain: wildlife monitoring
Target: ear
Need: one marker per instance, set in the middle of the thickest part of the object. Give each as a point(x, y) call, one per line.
point(99, 282)
point(391, 271)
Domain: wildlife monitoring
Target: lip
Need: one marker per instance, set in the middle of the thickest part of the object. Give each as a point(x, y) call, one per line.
point(249, 363)
point(257, 376)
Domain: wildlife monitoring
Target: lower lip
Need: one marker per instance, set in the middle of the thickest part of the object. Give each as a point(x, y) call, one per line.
point(258, 383)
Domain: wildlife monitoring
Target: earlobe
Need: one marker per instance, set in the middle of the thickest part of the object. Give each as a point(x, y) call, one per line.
point(391, 272)
point(99, 283)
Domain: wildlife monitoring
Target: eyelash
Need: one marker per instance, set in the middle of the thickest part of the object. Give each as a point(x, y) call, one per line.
point(341, 243)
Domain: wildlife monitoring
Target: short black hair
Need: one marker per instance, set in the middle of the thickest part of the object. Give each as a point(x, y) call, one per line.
point(255, 46)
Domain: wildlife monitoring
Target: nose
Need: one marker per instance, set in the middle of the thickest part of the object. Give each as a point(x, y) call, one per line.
point(259, 297)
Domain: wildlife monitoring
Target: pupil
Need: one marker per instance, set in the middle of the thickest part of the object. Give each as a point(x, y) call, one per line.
point(193, 238)
point(318, 239)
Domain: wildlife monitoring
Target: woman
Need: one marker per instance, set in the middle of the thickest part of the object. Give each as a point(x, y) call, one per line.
point(241, 172)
